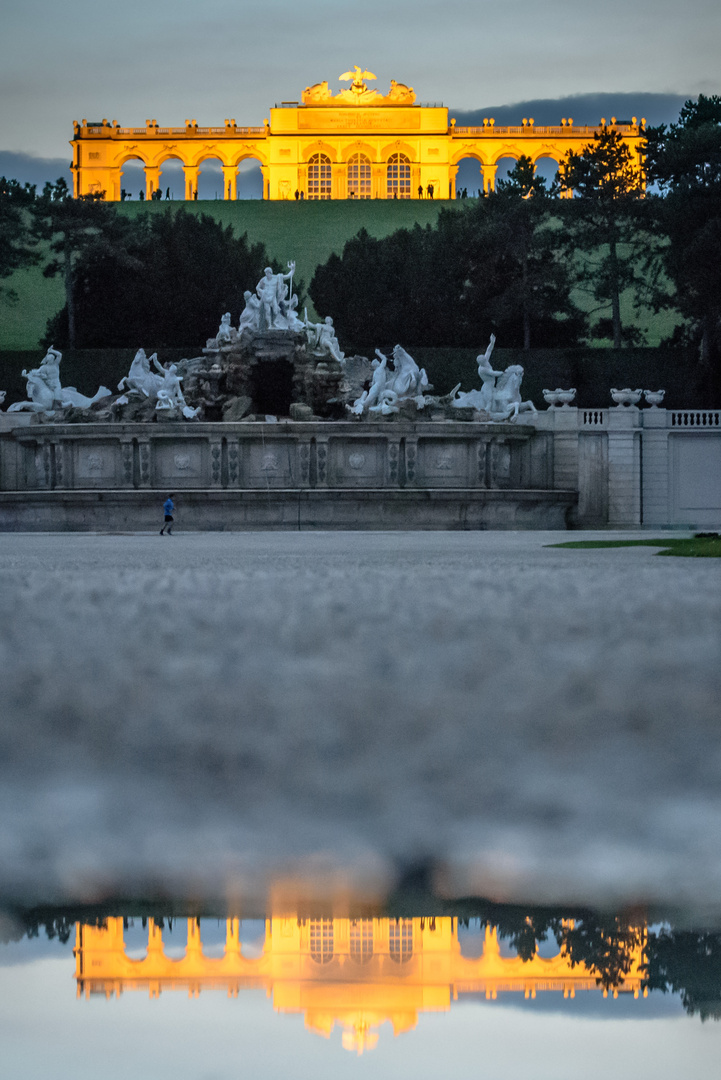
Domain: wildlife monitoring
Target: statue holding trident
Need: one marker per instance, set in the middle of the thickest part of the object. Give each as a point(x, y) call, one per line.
point(271, 291)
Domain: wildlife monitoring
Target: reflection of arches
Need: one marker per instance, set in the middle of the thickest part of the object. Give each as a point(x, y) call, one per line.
point(319, 177)
point(359, 177)
point(361, 940)
point(321, 940)
point(209, 184)
point(400, 940)
point(398, 177)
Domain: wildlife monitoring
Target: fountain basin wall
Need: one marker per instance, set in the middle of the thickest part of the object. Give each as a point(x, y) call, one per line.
point(385, 474)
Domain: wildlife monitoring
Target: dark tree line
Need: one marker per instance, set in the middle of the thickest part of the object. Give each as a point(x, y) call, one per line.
point(517, 261)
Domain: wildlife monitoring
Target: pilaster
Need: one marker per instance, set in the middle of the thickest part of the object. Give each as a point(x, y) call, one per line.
point(624, 466)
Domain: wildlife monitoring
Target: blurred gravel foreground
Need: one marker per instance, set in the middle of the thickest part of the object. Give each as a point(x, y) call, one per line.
point(204, 715)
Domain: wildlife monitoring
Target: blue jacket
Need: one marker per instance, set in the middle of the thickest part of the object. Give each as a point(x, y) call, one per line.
point(168, 506)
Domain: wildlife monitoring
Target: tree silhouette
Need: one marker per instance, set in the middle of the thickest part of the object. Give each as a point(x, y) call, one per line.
point(606, 220)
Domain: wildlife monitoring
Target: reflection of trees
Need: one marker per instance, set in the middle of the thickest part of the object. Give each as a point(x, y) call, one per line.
point(689, 964)
point(606, 945)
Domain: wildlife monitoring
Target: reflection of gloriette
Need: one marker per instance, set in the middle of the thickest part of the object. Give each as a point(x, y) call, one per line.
point(357, 973)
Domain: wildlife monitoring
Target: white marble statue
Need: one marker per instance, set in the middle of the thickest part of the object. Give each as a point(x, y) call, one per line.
point(140, 379)
point(170, 395)
point(45, 392)
point(483, 398)
point(507, 402)
point(500, 395)
point(322, 338)
point(291, 315)
point(250, 316)
point(390, 389)
point(223, 335)
point(3, 395)
point(271, 291)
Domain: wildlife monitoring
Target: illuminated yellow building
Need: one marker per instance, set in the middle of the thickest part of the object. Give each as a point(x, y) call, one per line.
point(357, 144)
point(358, 973)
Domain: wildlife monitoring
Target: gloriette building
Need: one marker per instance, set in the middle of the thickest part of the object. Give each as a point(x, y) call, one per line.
point(355, 144)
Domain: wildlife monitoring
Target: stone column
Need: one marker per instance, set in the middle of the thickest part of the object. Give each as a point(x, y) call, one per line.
point(565, 448)
point(152, 180)
point(489, 177)
point(191, 180)
point(624, 471)
point(655, 474)
point(126, 461)
point(230, 182)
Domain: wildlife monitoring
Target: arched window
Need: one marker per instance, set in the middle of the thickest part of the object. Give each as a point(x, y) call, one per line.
point(361, 940)
point(399, 177)
point(321, 940)
point(400, 940)
point(319, 177)
point(359, 177)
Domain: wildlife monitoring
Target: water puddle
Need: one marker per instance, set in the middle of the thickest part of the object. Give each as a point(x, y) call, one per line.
point(477, 989)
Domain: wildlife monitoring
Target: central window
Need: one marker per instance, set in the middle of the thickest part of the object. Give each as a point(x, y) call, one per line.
point(321, 940)
point(319, 176)
point(359, 177)
point(398, 177)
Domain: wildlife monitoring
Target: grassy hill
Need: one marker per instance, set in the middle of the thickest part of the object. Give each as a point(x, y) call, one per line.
point(305, 231)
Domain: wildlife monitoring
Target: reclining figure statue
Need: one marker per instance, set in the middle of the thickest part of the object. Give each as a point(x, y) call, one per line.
point(45, 392)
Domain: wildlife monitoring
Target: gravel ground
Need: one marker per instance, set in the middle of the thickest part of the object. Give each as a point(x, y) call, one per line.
point(205, 714)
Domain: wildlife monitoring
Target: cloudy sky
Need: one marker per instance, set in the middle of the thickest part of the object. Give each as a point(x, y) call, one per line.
point(173, 59)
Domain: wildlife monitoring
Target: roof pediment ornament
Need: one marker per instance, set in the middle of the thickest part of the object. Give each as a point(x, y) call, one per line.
point(358, 93)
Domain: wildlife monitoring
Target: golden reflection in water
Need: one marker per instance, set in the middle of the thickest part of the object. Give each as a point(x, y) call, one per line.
point(358, 973)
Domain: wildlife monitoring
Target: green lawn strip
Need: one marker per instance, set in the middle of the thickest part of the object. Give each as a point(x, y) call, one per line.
point(699, 547)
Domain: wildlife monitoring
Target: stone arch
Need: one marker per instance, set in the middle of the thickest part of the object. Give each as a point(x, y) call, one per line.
point(547, 164)
point(133, 177)
point(171, 178)
point(319, 147)
point(504, 163)
point(210, 183)
point(358, 147)
point(467, 173)
point(398, 147)
point(468, 152)
point(249, 174)
point(247, 152)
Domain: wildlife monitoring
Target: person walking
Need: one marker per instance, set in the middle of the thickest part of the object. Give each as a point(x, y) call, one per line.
point(168, 507)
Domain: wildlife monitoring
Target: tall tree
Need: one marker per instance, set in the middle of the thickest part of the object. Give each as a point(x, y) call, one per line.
point(17, 246)
point(165, 283)
point(684, 162)
point(72, 228)
point(607, 219)
point(520, 263)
